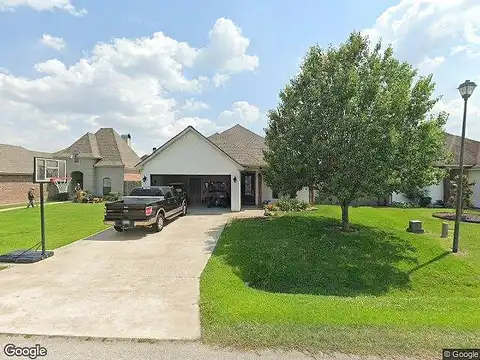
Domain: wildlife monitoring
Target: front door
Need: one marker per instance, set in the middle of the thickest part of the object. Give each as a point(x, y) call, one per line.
point(248, 188)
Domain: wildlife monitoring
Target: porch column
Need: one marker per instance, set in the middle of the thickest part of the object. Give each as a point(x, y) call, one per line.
point(257, 188)
point(236, 193)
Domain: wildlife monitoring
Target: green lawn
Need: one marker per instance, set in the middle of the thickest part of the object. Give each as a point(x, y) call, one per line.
point(379, 290)
point(64, 223)
point(11, 206)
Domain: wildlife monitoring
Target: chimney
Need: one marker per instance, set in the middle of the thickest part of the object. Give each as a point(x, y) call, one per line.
point(154, 149)
point(128, 139)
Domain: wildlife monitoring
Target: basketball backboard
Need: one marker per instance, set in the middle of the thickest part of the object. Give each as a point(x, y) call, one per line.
point(46, 169)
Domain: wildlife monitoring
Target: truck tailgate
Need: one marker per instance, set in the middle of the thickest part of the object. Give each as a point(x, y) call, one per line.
point(120, 211)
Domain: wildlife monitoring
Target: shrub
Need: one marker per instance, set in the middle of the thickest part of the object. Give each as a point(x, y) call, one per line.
point(113, 196)
point(403, 205)
point(467, 192)
point(415, 194)
point(61, 197)
point(285, 204)
point(425, 201)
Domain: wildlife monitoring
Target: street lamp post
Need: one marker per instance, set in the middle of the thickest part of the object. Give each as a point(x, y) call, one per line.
point(466, 90)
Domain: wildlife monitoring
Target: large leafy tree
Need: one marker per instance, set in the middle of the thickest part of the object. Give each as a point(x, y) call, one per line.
point(355, 122)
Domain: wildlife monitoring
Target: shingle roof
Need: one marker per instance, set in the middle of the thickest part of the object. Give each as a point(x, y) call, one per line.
point(241, 144)
point(86, 147)
point(18, 160)
point(107, 146)
point(471, 150)
point(114, 150)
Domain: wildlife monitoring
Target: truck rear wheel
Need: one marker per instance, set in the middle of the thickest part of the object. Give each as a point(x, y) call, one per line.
point(159, 223)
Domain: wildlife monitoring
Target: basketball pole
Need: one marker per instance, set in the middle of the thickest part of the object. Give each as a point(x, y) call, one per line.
point(42, 219)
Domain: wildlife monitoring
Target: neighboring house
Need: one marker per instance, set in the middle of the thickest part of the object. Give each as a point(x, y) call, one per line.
point(16, 173)
point(441, 191)
point(234, 156)
point(102, 163)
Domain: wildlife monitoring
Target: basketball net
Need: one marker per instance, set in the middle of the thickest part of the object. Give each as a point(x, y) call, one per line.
point(61, 184)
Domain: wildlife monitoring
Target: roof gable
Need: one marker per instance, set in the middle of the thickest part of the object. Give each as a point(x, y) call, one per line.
point(187, 130)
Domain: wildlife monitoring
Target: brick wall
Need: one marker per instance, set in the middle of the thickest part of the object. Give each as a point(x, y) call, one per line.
point(14, 189)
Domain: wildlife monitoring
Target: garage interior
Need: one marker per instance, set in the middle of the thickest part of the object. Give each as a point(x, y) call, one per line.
point(195, 185)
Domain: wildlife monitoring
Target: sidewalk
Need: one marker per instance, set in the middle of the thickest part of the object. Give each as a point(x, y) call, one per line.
point(16, 207)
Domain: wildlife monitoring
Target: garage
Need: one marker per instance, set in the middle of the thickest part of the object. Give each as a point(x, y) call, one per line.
point(192, 159)
point(196, 186)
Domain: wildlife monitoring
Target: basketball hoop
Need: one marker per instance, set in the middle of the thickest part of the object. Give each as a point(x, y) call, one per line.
point(61, 183)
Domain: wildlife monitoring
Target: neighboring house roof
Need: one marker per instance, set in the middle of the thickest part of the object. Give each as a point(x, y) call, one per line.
point(132, 177)
point(86, 147)
point(18, 160)
point(471, 150)
point(241, 144)
point(179, 136)
point(107, 146)
point(114, 150)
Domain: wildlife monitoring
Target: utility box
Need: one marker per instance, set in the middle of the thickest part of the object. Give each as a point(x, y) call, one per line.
point(415, 226)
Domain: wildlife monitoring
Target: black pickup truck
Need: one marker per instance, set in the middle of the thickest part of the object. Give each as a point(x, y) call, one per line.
point(145, 207)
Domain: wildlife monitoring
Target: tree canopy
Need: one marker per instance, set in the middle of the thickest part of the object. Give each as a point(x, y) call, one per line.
point(355, 122)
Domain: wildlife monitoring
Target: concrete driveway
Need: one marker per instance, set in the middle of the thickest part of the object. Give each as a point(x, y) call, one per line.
point(132, 285)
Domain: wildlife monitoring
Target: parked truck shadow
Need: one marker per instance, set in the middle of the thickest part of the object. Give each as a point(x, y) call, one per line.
point(111, 235)
point(308, 255)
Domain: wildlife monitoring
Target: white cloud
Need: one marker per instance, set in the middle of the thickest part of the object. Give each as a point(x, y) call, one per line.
point(242, 112)
point(427, 65)
point(220, 79)
point(133, 85)
point(443, 37)
point(42, 5)
point(227, 51)
point(53, 42)
point(194, 105)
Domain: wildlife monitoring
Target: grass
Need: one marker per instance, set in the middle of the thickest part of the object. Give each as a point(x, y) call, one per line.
point(23, 204)
point(379, 290)
point(9, 206)
point(64, 223)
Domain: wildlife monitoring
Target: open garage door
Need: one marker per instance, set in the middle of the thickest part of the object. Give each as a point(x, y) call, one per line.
point(196, 186)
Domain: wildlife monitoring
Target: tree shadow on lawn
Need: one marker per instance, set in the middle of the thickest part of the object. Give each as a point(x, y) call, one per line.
point(307, 255)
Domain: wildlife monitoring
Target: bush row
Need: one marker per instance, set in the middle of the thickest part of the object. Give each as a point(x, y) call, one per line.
point(286, 204)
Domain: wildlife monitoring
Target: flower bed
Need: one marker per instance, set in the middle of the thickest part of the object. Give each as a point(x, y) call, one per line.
point(471, 218)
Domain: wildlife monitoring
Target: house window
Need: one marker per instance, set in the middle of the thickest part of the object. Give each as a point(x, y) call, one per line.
point(107, 186)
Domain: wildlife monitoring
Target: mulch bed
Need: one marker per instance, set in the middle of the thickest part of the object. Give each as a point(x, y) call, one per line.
point(470, 218)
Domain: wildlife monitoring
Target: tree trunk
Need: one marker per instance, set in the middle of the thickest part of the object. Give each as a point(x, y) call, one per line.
point(311, 195)
point(345, 221)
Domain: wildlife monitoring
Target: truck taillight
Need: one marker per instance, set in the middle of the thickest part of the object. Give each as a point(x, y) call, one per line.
point(148, 211)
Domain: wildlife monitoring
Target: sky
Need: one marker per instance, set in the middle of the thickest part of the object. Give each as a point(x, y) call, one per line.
point(150, 68)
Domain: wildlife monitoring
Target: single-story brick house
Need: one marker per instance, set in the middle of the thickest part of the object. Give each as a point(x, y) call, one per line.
point(441, 191)
point(103, 162)
point(234, 156)
point(16, 173)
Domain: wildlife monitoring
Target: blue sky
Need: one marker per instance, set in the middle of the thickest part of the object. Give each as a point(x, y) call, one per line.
point(217, 63)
